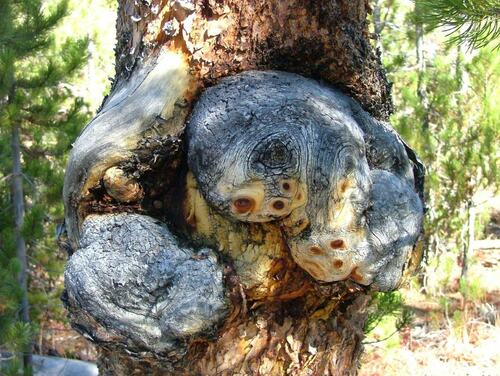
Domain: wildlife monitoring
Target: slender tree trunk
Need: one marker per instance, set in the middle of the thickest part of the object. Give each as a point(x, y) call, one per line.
point(421, 67)
point(234, 297)
point(468, 230)
point(377, 20)
point(18, 206)
point(459, 71)
point(424, 103)
point(378, 23)
point(468, 246)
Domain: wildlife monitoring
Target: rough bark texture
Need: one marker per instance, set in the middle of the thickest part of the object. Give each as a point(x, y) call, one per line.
point(246, 245)
point(131, 275)
point(322, 39)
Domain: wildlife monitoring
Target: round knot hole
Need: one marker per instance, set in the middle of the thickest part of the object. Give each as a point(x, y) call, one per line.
point(338, 263)
point(278, 205)
point(337, 243)
point(243, 204)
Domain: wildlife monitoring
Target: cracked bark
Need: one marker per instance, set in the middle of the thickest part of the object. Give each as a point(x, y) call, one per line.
point(239, 229)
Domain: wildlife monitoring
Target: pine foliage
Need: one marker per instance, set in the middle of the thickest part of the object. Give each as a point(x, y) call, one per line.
point(475, 23)
point(456, 133)
point(35, 68)
point(385, 305)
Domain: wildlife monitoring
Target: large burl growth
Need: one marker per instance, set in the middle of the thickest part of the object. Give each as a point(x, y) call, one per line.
point(237, 225)
point(270, 146)
point(279, 167)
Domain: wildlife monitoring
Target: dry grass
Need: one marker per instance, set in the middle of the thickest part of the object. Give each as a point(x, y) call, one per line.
point(438, 352)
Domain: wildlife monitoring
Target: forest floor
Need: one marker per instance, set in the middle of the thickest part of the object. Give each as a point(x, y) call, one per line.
point(455, 329)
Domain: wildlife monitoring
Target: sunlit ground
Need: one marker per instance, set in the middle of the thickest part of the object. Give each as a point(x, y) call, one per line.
point(455, 330)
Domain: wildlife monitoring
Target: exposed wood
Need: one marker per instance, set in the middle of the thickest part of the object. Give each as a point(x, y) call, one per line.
point(190, 241)
point(121, 187)
point(149, 104)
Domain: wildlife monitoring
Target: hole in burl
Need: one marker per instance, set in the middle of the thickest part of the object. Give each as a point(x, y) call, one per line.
point(278, 205)
point(243, 204)
point(337, 243)
point(316, 250)
point(338, 263)
point(286, 186)
point(344, 185)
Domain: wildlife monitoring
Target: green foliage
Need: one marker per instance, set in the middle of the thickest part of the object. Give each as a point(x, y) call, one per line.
point(447, 266)
point(459, 147)
point(385, 305)
point(36, 66)
point(459, 143)
point(472, 289)
point(472, 22)
point(19, 334)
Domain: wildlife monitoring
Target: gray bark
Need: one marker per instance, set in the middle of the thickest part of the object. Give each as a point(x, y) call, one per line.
point(349, 209)
point(134, 279)
point(150, 103)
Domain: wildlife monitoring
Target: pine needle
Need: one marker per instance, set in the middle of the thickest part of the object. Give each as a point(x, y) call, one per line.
point(475, 23)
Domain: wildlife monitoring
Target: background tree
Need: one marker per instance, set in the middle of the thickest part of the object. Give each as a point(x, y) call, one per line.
point(40, 115)
point(470, 122)
point(445, 108)
point(456, 133)
point(453, 125)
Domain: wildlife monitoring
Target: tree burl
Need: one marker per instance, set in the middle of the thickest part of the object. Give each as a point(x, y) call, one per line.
point(226, 216)
point(278, 165)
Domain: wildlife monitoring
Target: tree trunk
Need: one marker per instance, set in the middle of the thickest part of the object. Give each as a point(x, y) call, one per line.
point(18, 205)
point(421, 68)
point(247, 239)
